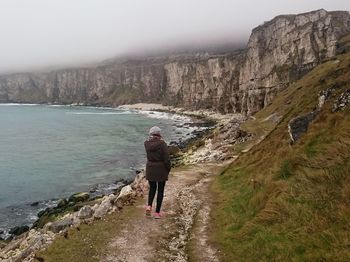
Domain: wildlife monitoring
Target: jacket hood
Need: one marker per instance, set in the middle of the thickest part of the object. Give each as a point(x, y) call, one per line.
point(153, 144)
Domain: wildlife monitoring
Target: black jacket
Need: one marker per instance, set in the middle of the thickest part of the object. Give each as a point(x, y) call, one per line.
point(158, 162)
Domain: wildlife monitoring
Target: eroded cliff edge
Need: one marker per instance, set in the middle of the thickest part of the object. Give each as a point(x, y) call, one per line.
point(278, 52)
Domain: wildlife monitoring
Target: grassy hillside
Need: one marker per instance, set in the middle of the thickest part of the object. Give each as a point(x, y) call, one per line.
point(283, 202)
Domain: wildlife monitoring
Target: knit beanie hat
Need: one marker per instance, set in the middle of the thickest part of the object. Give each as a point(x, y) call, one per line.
point(154, 130)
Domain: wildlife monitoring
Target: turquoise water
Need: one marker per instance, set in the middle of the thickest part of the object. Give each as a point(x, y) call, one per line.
point(48, 152)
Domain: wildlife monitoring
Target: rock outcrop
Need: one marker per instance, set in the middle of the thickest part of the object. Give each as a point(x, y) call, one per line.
point(278, 52)
point(284, 49)
point(299, 125)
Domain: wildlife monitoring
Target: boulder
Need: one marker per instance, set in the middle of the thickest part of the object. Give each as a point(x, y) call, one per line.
point(126, 194)
point(105, 206)
point(59, 225)
point(18, 230)
point(111, 198)
point(43, 212)
point(299, 125)
point(79, 197)
point(85, 212)
point(34, 204)
point(102, 210)
point(62, 203)
point(140, 185)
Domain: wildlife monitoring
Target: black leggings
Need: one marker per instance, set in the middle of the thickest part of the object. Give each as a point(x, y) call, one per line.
point(152, 193)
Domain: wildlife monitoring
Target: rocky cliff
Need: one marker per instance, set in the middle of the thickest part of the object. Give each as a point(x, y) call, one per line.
point(284, 49)
point(278, 52)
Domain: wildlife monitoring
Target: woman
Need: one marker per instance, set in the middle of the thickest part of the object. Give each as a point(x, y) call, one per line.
point(157, 168)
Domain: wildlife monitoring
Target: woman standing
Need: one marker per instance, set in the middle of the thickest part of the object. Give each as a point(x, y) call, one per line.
point(157, 168)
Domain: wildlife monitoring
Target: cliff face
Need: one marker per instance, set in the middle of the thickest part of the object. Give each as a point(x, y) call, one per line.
point(284, 49)
point(212, 83)
point(278, 52)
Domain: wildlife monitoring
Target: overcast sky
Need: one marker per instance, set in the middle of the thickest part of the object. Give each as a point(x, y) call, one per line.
point(39, 33)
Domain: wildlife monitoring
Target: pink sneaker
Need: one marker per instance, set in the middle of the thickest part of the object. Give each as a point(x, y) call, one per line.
point(157, 216)
point(148, 211)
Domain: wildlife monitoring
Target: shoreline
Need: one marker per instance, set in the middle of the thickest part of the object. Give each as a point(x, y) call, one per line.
point(108, 188)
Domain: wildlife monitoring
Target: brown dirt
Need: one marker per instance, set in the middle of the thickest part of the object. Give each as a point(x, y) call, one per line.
point(181, 234)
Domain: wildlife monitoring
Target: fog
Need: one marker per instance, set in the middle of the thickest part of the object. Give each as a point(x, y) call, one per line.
point(44, 34)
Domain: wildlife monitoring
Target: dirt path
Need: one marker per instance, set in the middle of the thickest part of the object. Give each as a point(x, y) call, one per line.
point(180, 234)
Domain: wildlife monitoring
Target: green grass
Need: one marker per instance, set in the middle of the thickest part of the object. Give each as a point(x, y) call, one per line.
point(90, 242)
point(298, 208)
point(286, 170)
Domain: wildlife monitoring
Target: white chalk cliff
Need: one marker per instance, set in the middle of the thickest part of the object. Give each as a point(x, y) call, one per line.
point(278, 52)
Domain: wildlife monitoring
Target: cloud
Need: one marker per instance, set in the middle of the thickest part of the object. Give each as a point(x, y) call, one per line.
point(41, 33)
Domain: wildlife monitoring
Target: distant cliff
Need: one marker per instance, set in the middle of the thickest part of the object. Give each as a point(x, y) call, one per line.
point(278, 52)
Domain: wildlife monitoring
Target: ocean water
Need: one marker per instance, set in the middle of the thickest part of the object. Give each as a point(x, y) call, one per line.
point(49, 152)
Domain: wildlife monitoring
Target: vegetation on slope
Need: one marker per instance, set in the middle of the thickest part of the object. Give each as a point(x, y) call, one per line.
point(283, 202)
point(88, 242)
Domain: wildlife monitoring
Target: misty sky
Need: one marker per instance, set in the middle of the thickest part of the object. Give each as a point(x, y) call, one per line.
point(38, 33)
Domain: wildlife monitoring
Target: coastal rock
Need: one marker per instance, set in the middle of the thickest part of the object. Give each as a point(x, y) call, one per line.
point(126, 191)
point(33, 242)
point(125, 196)
point(11, 246)
point(105, 206)
point(62, 203)
point(18, 230)
point(79, 197)
point(42, 212)
point(59, 225)
point(139, 186)
point(85, 212)
point(94, 207)
point(102, 210)
point(24, 248)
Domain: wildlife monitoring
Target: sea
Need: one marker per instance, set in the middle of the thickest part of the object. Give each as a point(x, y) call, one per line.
point(48, 152)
